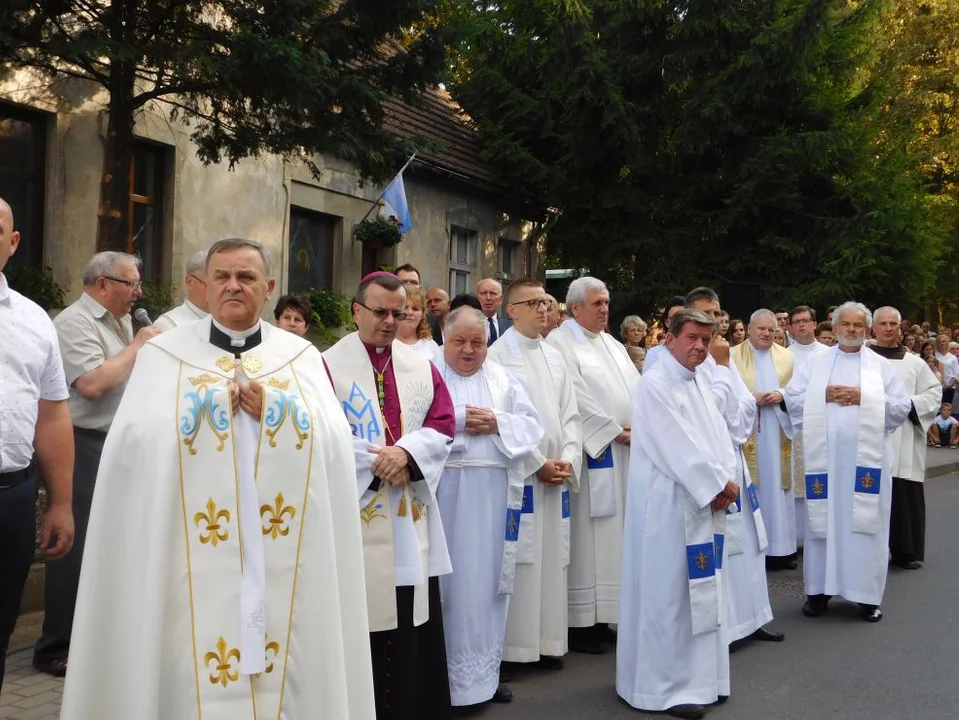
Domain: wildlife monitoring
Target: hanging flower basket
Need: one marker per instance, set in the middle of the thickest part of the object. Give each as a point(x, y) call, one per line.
point(378, 233)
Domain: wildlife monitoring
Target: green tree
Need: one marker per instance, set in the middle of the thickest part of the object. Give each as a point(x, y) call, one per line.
point(291, 77)
point(707, 141)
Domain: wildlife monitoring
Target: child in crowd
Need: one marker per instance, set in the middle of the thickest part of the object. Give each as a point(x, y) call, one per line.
point(945, 429)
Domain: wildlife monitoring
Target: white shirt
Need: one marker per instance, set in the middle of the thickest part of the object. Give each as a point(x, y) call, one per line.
point(30, 370)
point(950, 367)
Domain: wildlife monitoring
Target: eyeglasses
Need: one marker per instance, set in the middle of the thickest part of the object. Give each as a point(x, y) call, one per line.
point(199, 280)
point(132, 284)
point(535, 303)
point(382, 313)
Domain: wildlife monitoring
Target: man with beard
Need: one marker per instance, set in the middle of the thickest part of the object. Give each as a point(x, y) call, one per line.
point(847, 402)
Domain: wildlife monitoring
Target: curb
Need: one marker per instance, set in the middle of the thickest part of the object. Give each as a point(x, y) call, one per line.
point(940, 470)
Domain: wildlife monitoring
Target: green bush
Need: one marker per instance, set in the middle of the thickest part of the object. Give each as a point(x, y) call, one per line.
point(330, 311)
point(158, 298)
point(378, 233)
point(37, 284)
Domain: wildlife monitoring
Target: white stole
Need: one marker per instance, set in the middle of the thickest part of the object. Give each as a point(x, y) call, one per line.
point(704, 529)
point(385, 544)
point(866, 510)
point(510, 355)
point(735, 532)
point(602, 474)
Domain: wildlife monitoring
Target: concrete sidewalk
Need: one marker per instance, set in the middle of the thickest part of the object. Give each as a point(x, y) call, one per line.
point(28, 694)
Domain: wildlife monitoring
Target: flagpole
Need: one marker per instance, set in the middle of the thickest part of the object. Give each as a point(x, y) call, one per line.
point(377, 201)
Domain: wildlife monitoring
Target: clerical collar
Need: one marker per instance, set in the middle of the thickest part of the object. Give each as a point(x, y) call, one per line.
point(677, 369)
point(378, 355)
point(527, 342)
point(235, 341)
point(890, 353)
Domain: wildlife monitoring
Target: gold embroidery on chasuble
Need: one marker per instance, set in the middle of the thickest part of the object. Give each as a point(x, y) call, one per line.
point(224, 663)
point(275, 517)
point(212, 524)
point(272, 650)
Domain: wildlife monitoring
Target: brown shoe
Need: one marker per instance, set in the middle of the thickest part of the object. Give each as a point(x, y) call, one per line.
point(56, 667)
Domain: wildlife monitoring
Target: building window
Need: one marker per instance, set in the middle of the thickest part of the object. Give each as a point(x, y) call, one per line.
point(22, 159)
point(311, 250)
point(462, 258)
point(506, 259)
point(144, 236)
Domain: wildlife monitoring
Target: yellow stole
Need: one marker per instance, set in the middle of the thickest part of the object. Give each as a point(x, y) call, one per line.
point(745, 360)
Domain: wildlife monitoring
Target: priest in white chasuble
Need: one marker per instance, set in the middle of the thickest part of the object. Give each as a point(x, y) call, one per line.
point(604, 379)
point(481, 499)
point(847, 402)
point(220, 580)
point(536, 629)
point(747, 609)
point(907, 519)
point(672, 654)
point(802, 329)
point(403, 426)
point(766, 368)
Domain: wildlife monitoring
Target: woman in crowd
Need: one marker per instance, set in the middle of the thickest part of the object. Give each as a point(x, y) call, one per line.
point(637, 355)
point(736, 332)
point(293, 314)
point(414, 330)
point(633, 331)
point(723, 323)
point(910, 343)
point(779, 337)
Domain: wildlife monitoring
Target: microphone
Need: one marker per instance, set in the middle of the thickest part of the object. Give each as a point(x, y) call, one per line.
point(142, 317)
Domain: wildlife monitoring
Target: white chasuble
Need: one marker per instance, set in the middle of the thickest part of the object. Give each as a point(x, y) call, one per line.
point(748, 607)
point(538, 616)
point(185, 498)
point(769, 452)
point(848, 458)
point(480, 498)
point(909, 440)
point(671, 646)
point(403, 542)
point(604, 379)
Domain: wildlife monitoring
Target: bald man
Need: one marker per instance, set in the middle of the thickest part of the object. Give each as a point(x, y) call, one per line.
point(490, 294)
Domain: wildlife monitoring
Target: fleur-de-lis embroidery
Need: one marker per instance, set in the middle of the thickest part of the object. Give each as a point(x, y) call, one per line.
point(215, 520)
point(223, 670)
point(817, 487)
point(702, 562)
point(867, 481)
point(287, 406)
point(276, 517)
point(204, 408)
point(272, 650)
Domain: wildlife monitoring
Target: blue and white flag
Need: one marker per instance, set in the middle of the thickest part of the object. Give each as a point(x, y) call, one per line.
point(395, 205)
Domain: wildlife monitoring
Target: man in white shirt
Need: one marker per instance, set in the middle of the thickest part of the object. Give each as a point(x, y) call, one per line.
point(194, 305)
point(36, 424)
point(98, 350)
point(490, 294)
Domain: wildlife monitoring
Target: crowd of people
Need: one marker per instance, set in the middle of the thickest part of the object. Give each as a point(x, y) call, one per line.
point(389, 528)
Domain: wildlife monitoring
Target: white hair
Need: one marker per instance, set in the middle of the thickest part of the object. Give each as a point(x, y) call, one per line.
point(196, 262)
point(762, 312)
point(499, 285)
point(576, 295)
point(887, 308)
point(105, 263)
point(851, 305)
point(465, 315)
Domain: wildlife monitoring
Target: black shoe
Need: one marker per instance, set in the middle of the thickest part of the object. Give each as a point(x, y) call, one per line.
point(502, 695)
point(505, 672)
point(815, 605)
point(774, 563)
point(870, 613)
point(907, 564)
point(686, 711)
point(721, 699)
point(791, 562)
point(548, 662)
point(56, 667)
point(767, 635)
point(583, 640)
point(604, 633)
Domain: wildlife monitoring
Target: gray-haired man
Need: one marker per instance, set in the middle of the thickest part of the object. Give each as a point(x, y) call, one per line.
point(194, 305)
point(98, 349)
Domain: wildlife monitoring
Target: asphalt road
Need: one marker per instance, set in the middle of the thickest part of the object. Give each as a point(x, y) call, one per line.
point(835, 666)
